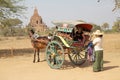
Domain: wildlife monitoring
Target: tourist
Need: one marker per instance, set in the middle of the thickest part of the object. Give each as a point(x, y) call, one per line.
point(98, 51)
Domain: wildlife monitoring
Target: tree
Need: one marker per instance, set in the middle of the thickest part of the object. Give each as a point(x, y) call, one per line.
point(9, 26)
point(117, 4)
point(11, 22)
point(10, 8)
point(10, 11)
point(105, 26)
point(96, 27)
point(116, 26)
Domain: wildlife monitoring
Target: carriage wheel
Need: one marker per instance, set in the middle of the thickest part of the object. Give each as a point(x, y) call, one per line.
point(54, 54)
point(77, 57)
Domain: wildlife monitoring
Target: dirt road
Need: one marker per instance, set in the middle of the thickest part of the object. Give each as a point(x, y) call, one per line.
point(22, 68)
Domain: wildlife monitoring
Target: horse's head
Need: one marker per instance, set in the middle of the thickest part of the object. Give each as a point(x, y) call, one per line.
point(31, 32)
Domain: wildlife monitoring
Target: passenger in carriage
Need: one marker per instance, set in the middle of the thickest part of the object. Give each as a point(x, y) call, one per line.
point(79, 35)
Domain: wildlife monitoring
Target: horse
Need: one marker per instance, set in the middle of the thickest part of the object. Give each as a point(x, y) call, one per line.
point(39, 43)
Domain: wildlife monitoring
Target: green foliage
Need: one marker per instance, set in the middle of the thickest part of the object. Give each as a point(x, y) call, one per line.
point(9, 25)
point(96, 27)
point(15, 31)
point(20, 32)
point(10, 8)
point(116, 26)
point(117, 4)
point(109, 31)
point(105, 26)
point(11, 22)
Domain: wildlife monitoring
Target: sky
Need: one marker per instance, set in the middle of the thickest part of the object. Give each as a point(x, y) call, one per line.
point(90, 11)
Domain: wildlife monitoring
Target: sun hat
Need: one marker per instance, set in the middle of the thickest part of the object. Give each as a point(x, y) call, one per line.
point(98, 32)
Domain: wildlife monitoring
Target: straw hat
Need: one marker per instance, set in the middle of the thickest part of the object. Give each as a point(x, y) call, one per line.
point(98, 32)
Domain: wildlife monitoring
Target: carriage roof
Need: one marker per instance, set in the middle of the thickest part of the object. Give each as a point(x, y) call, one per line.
point(67, 26)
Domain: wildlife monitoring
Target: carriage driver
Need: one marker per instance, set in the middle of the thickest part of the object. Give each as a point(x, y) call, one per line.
point(33, 35)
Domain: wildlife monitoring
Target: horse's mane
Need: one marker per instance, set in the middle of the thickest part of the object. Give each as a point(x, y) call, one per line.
point(41, 40)
point(42, 37)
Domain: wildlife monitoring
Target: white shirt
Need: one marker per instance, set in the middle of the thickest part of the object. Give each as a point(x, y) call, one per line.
point(49, 37)
point(35, 36)
point(98, 44)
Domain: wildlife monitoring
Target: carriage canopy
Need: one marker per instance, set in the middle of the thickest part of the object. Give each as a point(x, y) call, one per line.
point(67, 26)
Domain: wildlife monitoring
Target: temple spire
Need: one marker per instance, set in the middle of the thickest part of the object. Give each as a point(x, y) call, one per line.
point(36, 21)
point(35, 11)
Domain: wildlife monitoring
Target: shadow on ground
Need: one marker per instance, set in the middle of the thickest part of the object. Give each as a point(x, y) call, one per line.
point(110, 67)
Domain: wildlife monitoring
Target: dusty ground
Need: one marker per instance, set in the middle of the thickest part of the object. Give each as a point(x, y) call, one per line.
point(22, 68)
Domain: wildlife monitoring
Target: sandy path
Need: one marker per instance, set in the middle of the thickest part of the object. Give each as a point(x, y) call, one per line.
point(22, 68)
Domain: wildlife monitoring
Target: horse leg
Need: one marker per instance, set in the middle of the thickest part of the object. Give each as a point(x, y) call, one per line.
point(34, 56)
point(38, 51)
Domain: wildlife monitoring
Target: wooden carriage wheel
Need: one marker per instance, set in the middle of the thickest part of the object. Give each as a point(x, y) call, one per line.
point(54, 54)
point(77, 57)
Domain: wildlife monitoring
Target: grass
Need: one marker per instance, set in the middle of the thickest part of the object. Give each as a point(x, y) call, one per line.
point(111, 43)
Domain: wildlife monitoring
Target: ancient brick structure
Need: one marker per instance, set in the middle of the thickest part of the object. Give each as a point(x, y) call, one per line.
point(36, 22)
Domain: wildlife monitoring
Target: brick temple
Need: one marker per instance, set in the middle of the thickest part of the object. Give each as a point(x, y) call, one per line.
point(36, 22)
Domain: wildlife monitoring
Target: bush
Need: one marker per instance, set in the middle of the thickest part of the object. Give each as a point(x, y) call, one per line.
point(15, 31)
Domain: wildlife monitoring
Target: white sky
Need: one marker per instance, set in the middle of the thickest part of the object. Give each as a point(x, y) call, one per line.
point(87, 10)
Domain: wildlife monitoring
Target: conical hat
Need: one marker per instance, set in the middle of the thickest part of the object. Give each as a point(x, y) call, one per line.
point(98, 32)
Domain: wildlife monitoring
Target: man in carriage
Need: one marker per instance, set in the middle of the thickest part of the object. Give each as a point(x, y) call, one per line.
point(78, 34)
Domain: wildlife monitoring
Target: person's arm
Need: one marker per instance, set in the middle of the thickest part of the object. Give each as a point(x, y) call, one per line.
point(83, 38)
point(95, 41)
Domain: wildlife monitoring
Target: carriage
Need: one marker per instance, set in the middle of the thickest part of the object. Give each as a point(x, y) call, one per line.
point(62, 43)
